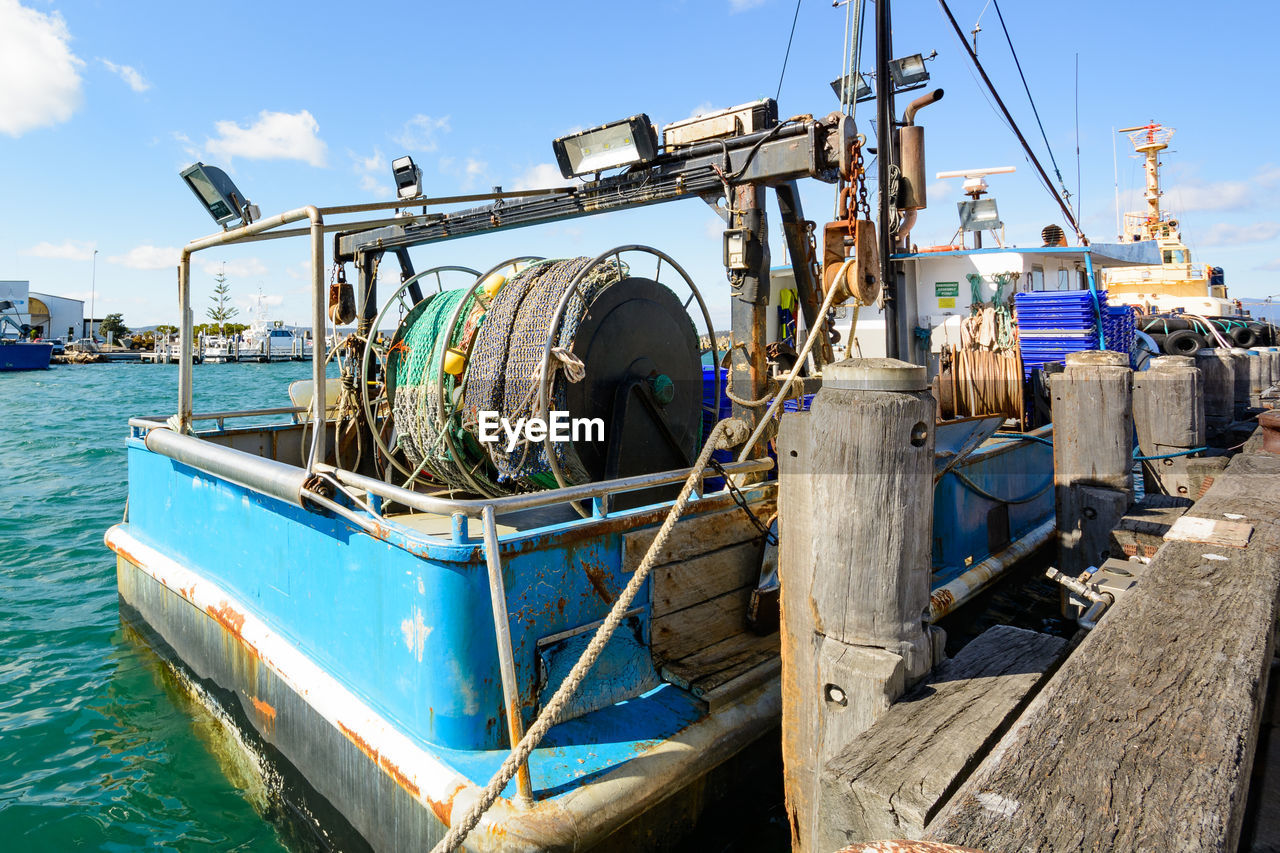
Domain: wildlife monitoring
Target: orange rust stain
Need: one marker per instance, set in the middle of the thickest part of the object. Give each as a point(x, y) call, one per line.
point(595, 574)
point(228, 617)
point(444, 810)
point(942, 599)
point(264, 708)
point(560, 605)
point(382, 761)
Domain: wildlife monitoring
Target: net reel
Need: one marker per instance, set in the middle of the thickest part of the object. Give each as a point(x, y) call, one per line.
point(582, 341)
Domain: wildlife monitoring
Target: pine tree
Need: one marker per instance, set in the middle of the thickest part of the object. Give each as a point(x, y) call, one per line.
point(221, 310)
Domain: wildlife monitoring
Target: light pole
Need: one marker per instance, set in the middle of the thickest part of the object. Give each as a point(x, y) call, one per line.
point(93, 293)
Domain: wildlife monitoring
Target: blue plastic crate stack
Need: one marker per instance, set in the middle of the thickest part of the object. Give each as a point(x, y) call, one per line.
point(712, 413)
point(1053, 324)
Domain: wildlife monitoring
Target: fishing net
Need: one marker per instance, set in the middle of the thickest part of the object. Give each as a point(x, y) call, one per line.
point(504, 342)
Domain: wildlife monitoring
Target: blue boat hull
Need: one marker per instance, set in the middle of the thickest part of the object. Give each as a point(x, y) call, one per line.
point(369, 660)
point(25, 355)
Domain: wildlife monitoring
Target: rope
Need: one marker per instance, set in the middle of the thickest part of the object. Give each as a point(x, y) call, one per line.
point(1024, 436)
point(1138, 458)
point(725, 434)
point(974, 487)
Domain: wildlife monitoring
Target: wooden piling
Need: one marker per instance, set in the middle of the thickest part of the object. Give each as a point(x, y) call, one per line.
point(856, 510)
point(1092, 453)
point(1169, 417)
point(1218, 372)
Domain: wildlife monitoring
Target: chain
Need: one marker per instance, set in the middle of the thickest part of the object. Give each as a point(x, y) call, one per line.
point(860, 178)
point(741, 500)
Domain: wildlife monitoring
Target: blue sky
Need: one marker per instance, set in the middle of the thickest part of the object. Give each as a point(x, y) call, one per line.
point(101, 104)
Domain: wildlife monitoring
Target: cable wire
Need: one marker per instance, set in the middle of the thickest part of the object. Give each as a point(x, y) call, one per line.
point(787, 55)
point(1056, 171)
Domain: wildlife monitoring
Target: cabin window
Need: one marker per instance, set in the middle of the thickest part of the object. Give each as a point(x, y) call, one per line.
point(1168, 256)
point(1179, 256)
point(1064, 280)
point(1037, 278)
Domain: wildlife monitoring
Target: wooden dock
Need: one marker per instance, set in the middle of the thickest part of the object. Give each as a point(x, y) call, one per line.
point(1139, 734)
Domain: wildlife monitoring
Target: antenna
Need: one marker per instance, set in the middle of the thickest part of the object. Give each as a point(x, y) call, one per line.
point(974, 183)
point(1115, 168)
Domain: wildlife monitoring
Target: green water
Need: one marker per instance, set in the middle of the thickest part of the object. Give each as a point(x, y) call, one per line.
point(100, 746)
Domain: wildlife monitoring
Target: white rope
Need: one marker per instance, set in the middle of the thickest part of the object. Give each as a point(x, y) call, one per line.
point(804, 351)
point(572, 366)
point(725, 434)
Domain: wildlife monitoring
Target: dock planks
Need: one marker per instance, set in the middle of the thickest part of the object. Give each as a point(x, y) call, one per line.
point(1145, 738)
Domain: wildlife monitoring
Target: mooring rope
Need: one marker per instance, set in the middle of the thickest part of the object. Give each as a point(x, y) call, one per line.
point(727, 433)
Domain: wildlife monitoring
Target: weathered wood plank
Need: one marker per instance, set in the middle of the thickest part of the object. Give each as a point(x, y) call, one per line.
point(1210, 531)
point(1144, 739)
point(697, 535)
point(708, 668)
point(1141, 532)
point(894, 777)
point(684, 632)
point(689, 582)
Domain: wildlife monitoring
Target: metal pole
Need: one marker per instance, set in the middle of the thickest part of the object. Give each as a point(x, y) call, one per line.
point(318, 348)
point(93, 293)
point(506, 661)
point(884, 157)
point(184, 343)
point(1066, 211)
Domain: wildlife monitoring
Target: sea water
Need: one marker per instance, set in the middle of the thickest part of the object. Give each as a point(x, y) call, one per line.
point(101, 746)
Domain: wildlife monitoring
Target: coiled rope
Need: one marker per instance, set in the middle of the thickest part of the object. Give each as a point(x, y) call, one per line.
point(727, 433)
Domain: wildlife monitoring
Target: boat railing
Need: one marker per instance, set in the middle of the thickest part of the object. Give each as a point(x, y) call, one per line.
point(238, 466)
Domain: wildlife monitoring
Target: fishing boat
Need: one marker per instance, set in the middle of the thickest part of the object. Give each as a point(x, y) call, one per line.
point(17, 350)
point(488, 585)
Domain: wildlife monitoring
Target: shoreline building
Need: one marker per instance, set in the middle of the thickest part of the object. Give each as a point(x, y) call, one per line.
point(51, 316)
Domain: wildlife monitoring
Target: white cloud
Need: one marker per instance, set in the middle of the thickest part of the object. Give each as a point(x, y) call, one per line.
point(67, 250)
point(1223, 234)
point(736, 6)
point(419, 132)
point(1223, 195)
point(39, 75)
point(242, 268)
point(274, 136)
point(1270, 266)
point(372, 171)
point(540, 176)
point(148, 258)
point(128, 74)
point(469, 175)
point(301, 271)
point(701, 109)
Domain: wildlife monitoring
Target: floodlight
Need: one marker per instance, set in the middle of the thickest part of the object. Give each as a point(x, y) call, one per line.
point(218, 193)
point(861, 89)
point(908, 71)
point(979, 215)
point(408, 177)
point(620, 143)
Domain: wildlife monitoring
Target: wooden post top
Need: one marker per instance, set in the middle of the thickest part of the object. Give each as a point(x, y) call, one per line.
point(875, 374)
point(1097, 358)
point(1164, 362)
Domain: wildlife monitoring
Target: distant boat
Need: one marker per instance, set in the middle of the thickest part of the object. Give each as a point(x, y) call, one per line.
point(24, 355)
point(17, 353)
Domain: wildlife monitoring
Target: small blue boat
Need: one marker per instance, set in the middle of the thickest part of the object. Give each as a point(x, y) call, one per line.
point(17, 352)
point(24, 355)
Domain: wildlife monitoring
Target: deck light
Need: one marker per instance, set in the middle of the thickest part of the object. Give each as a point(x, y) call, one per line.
point(219, 194)
point(908, 71)
point(620, 143)
point(862, 90)
point(408, 177)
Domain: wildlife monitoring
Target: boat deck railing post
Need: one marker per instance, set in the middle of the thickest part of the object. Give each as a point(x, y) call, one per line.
point(506, 660)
